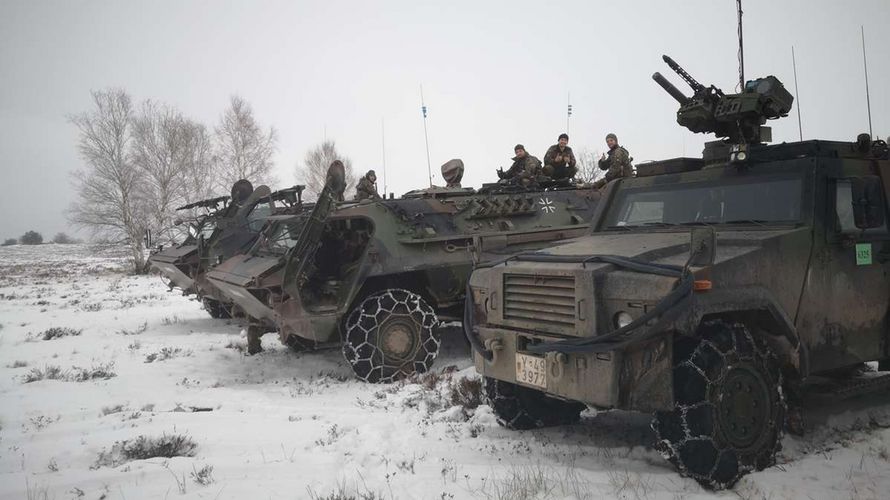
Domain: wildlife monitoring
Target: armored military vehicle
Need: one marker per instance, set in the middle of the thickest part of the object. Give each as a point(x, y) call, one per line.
point(178, 263)
point(225, 228)
point(385, 273)
point(710, 291)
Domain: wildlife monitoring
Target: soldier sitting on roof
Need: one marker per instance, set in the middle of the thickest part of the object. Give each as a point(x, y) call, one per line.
point(618, 164)
point(559, 161)
point(367, 187)
point(524, 170)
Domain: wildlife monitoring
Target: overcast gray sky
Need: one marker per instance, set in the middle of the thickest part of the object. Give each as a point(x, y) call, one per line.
point(493, 74)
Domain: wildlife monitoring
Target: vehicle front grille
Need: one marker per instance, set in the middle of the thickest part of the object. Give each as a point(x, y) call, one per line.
point(545, 302)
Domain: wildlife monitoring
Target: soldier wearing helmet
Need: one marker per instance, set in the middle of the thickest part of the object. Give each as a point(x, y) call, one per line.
point(525, 167)
point(559, 161)
point(617, 164)
point(366, 189)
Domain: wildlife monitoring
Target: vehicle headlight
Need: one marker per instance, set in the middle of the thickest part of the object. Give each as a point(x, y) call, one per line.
point(622, 319)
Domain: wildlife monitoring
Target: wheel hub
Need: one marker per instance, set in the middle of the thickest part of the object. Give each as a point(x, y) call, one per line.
point(398, 339)
point(743, 407)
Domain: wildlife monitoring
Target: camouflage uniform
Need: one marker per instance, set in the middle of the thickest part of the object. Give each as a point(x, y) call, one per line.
point(524, 170)
point(617, 165)
point(563, 170)
point(365, 189)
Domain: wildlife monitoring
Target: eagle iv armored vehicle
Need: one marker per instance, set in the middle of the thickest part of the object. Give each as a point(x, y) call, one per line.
point(709, 291)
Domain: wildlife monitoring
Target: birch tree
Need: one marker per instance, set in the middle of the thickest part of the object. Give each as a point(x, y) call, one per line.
point(313, 171)
point(242, 150)
point(172, 153)
point(108, 184)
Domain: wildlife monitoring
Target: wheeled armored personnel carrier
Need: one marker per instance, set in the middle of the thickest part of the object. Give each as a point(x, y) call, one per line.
point(710, 292)
point(380, 276)
point(178, 263)
point(228, 227)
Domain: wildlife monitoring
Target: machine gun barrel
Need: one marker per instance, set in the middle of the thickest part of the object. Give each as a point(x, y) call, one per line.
point(696, 87)
point(670, 89)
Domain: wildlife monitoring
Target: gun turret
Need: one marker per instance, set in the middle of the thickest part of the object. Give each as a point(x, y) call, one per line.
point(737, 117)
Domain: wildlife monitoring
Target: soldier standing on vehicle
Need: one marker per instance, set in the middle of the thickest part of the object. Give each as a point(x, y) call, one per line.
point(559, 161)
point(617, 164)
point(367, 187)
point(525, 167)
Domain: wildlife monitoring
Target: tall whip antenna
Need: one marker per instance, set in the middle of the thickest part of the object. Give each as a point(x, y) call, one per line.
point(568, 110)
point(865, 65)
point(796, 94)
point(429, 169)
point(741, 49)
point(383, 141)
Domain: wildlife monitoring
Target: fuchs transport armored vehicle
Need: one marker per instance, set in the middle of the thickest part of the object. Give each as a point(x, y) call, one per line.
point(179, 263)
point(228, 228)
point(386, 272)
point(709, 292)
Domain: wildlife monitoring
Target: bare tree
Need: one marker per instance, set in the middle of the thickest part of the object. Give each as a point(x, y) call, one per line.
point(109, 184)
point(242, 150)
point(588, 166)
point(173, 154)
point(313, 171)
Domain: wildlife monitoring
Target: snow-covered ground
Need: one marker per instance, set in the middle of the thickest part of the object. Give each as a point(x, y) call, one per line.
point(139, 361)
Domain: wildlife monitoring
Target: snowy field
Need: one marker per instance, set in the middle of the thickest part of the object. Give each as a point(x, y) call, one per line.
point(99, 369)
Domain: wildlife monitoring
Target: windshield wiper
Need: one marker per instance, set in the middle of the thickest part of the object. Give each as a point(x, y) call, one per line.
point(758, 222)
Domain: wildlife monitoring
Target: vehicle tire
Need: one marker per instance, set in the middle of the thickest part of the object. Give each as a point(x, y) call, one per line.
point(523, 408)
point(215, 308)
point(729, 408)
point(299, 344)
point(390, 335)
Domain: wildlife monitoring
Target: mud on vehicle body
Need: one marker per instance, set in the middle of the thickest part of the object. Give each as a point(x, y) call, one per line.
point(708, 292)
point(379, 277)
point(229, 227)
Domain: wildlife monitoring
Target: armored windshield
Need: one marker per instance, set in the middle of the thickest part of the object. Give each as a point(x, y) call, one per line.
point(751, 200)
point(207, 228)
point(283, 236)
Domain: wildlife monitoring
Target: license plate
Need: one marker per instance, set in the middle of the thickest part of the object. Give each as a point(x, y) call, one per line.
point(531, 370)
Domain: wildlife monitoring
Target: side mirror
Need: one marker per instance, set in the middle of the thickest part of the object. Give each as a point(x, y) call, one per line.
point(868, 201)
point(702, 246)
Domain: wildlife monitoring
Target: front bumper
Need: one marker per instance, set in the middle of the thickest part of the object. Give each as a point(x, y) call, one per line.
point(178, 278)
point(637, 378)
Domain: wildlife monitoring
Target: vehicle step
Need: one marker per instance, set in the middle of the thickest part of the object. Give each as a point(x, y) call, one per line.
point(852, 387)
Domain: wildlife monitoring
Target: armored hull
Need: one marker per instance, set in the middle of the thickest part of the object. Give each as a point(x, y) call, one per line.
point(309, 272)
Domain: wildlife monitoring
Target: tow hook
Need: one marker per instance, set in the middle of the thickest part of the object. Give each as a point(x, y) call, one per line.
point(494, 346)
point(557, 362)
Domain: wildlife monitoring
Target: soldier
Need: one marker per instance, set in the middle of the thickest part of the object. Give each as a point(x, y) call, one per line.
point(559, 162)
point(525, 167)
point(367, 187)
point(617, 165)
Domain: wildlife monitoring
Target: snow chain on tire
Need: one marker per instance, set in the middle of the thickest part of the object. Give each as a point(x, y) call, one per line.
point(365, 336)
point(729, 406)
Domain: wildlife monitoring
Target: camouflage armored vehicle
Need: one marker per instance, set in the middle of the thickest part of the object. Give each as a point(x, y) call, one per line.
point(229, 228)
point(385, 273)
point(711, 291)
point(178, 263)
